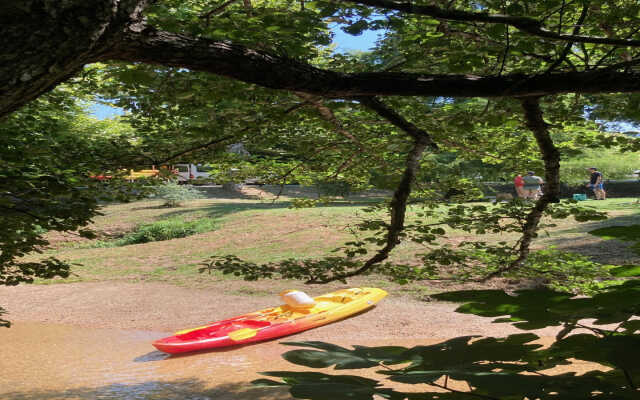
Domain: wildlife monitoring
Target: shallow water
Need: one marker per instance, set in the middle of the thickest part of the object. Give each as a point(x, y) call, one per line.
point(48, 361)
point(45, 361)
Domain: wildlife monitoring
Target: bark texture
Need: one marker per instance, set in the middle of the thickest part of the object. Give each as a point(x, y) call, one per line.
point(44, 42)
point(551, 158)
point(277, 72)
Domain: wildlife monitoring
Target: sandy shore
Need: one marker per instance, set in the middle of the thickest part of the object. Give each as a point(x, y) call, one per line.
point(163, 307)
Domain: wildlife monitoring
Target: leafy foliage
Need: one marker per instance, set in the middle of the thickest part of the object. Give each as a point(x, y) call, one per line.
point(624, 271)
point(514, 367)
point(51, 150)
point(175, 194)
point(566, 272)
point(431, 223)
point(167, 230)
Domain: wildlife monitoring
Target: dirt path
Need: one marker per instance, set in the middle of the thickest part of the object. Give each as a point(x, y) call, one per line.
point(162, 307)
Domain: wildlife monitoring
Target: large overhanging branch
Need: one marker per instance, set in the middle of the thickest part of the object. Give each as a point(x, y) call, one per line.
point(524, 24)
point(39, 56)
point(126, 38)
point(273, 71)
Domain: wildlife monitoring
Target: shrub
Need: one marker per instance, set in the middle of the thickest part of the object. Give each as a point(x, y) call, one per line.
point(166, 230)
point(174, 194)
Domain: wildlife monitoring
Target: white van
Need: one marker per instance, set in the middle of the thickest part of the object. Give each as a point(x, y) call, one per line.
point(188, 172)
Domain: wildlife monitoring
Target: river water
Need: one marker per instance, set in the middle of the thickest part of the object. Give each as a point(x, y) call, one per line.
point(49, 361)
point(46, 361)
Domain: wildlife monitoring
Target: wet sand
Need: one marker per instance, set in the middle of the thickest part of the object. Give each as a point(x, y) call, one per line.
point(167, 308)
point(48, 361)
point(93, 341)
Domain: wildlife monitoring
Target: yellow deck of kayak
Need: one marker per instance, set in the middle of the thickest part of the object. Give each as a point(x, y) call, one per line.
point(333, 306)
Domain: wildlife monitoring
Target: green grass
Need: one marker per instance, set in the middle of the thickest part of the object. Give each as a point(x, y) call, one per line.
point(249, 291)
point(263, 232)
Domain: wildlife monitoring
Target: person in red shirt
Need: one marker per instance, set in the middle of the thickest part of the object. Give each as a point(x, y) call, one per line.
point(518, 182)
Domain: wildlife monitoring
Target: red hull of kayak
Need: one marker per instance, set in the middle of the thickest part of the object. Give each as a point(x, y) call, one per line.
point(217, 335)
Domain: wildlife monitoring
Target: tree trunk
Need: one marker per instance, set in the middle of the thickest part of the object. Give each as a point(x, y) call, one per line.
point(551, 158)
point(45, 42)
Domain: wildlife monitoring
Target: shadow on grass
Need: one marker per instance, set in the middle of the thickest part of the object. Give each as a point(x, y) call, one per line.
point(157, 389)
point(156, 207)
point(613, 221)
point(220, 210)
point(601, 251)
point(288, 191)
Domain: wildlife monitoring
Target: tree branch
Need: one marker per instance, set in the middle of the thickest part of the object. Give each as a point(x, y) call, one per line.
point(568, 46)
point(398, 206)
point(218, 9)
point(551, 158)
point(192, 149)
point(612, 50)
point(399, 121)
point(279, 72)
point(121, 34)
point(328, 115)
point(398, 210)
point(506, 51)
point(525, 24)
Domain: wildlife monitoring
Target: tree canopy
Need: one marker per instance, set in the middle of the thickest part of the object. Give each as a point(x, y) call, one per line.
point(447, 80)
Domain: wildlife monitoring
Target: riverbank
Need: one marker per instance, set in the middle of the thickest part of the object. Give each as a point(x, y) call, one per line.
point(166, 308)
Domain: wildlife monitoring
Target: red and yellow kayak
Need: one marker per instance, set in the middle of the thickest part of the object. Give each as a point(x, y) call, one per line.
point(272, 322)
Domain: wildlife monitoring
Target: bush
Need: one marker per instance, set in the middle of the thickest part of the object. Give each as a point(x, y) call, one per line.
point(166, 230)
point(174, 194)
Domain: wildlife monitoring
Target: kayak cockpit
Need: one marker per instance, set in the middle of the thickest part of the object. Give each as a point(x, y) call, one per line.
point(222, 329)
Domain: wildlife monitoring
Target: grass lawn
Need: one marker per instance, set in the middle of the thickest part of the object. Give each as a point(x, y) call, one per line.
point(264, 231)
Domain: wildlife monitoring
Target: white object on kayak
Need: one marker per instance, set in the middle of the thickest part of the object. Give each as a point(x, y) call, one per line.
point(297, 299)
